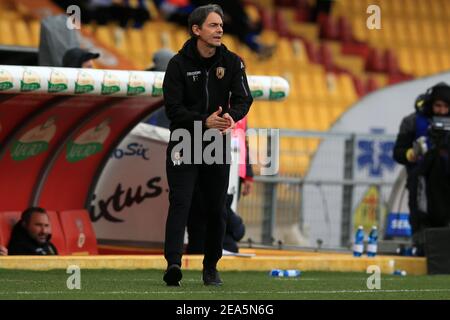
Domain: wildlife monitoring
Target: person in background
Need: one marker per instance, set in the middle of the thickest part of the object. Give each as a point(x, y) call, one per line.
point(416, 149)
point(31, 234)
point(161, 59)
point(79, 58)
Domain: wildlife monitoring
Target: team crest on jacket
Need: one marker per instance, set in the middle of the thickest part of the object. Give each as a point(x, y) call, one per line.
point(220, 72)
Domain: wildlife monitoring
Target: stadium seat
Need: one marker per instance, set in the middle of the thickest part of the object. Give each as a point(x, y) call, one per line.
point(35, 29)
point(78, 232)
point(22, 32)
point(2, 242)
point(57, 234)
point(7, 221)
point(7, 35)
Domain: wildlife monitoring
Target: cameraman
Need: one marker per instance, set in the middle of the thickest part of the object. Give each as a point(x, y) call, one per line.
point(417, 148)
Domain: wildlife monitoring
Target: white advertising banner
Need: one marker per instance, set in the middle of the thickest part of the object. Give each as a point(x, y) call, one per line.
point(131, 196)
point(73, 81)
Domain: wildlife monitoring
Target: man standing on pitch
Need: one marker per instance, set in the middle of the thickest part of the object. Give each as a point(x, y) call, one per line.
point(205, 86)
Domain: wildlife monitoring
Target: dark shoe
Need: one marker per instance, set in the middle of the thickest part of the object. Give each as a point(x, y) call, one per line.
point(211, 277)
point(173, 275)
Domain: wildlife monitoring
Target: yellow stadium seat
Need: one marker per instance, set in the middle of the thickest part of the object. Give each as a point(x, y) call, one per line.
point(405, 60)
point(229, 42)
point(152, 42)
point(347, 88)
point(427, 34)
point(6, 34)
point(423, 9)
point(434, 63)
point(310, 117)
point(440, 34)
point(284, 50)
point(104, 35)
point(445, 60)
point(399, 27)
point(319, 85)
point(415, 34)
point(135, 40)
point(359, 28)
point(300, 55)
point(22, 33)
point(420, 63)
point(35, 30)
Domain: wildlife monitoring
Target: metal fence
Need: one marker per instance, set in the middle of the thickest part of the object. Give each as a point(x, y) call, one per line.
point(327, 183)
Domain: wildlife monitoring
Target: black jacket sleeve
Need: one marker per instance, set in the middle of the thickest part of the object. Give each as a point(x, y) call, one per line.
point(241, 98)
point(173, 88)
point(405, 139)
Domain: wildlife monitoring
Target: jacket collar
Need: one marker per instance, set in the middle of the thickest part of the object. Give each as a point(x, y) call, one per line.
point(190, 50)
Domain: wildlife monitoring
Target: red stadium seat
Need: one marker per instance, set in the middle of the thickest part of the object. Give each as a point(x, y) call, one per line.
point(78, 232)
point(57, 234)
point(328, 28)
point(345, 29)
point(7, 221)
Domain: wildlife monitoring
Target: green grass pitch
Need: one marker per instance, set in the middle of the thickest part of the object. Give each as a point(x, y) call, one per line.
point(148, 284)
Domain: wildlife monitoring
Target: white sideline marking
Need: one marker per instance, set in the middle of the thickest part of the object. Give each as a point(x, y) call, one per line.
point(231, 292)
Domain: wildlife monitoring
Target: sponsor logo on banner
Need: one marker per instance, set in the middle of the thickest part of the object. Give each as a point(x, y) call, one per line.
point(84, 83)
point(30, 81)
point(122, 199)
point(88, 143)
point(111, 84)
point(276, 90)
point(132, 150)
point(375, 155)
point(398, 225)
point(34, 141)
point(366, 213)
point(6, 80)
point(58, 82)
point(256, 88)
point(136, 84)
point(157, 85)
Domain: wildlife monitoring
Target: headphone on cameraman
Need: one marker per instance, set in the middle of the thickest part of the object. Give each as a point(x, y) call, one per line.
point(426, 99)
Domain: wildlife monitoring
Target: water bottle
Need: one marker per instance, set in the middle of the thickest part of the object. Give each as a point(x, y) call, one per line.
point(399, 273)
point(358, 247)
point(372, 242)
point(291, 273)
point(285, 273)
point(276, 273)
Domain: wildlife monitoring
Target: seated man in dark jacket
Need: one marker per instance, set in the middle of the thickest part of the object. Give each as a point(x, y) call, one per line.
point(31, 234)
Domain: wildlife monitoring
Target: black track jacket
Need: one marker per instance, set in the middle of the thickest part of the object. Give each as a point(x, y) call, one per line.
point(192, 92)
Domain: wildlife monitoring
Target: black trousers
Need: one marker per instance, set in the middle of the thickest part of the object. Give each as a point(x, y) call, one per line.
point(213, 183)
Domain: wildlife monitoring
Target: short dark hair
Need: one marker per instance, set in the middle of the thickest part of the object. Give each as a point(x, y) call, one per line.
point(199, 15)
point(27, 213)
